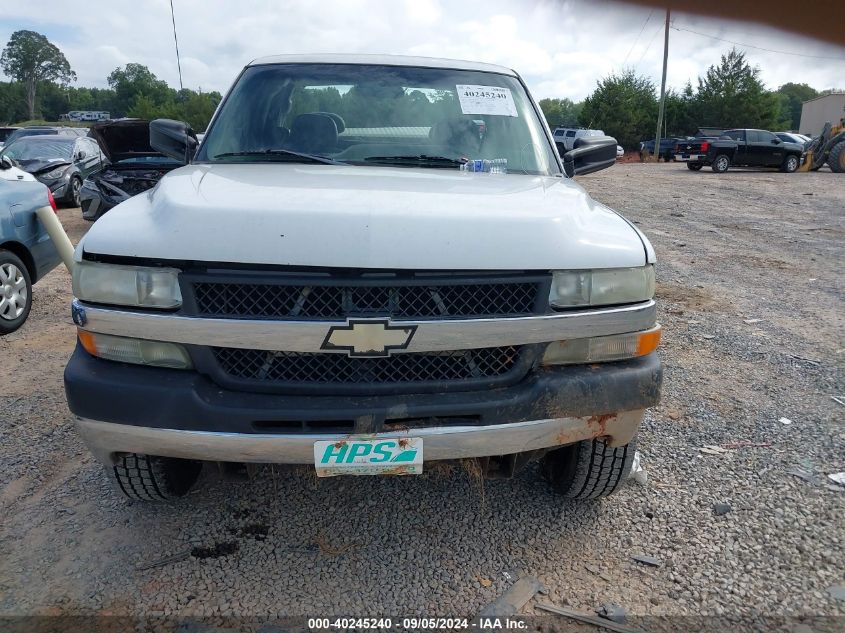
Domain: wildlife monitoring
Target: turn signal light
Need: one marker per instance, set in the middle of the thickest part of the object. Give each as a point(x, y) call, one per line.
point(135, 350)
point(601, 349)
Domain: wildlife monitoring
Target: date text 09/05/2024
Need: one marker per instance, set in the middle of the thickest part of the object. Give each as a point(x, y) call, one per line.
point(416, 624)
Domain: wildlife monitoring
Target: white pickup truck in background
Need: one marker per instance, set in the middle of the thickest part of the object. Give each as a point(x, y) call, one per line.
point(370, 263)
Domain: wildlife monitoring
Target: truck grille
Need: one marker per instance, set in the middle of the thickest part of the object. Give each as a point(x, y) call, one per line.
point(395, 298)
point(292, 368)
point(335, 296)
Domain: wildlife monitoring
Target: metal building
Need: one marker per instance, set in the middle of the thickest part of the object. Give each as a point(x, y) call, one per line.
point(816, 112)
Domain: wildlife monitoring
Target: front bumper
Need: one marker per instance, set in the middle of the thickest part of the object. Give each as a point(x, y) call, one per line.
point(57, 187)
point(126, 408)
point(105, 439)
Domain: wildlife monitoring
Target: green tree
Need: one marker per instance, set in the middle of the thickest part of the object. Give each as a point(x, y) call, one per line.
point(199, 108)
point(561, 112)
point(12, 102)
point(53, 100)
point(143, 108)
point(196, 108)
point(135, 79)
point(680, 113)
point(31, 58)
point(792, 96)
point(624, 106)
point(731, 94)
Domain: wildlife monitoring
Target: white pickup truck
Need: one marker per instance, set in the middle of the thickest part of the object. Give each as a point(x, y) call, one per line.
point(369, 263)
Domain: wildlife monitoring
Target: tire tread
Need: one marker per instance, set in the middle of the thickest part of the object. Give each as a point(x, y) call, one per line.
point(148, 478)
point(598, 470)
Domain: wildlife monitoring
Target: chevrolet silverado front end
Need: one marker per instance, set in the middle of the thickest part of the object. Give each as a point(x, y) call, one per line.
point(351, 275)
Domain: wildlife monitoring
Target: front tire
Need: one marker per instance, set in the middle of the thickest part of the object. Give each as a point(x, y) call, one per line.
point(790, 164)
point(694, 166)
point(73, 197)
point(153, 478)
point(15, 292)
point(721, 163)
point(588, 469)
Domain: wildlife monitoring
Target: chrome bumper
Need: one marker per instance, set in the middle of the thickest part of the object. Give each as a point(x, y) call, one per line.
point(105, 439)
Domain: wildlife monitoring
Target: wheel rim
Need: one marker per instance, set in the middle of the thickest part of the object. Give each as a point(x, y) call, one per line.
point(791, 163)
point(722, 163)
point(13, 293)
point(75, 187)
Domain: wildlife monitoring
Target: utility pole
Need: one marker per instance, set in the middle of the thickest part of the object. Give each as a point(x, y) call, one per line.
point(662, 89)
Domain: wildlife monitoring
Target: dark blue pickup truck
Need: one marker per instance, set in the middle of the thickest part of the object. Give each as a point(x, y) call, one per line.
point(741, 147)
point(667, 148)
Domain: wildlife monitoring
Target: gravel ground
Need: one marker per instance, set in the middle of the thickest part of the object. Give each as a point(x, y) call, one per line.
point(752, 301)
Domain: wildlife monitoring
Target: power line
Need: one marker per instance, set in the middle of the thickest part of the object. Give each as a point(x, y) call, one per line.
point(760, 48)
point(650, 42)
point(631, 50)
point(175, 39)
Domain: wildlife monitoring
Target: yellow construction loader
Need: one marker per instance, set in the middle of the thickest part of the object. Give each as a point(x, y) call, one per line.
point(828, 148)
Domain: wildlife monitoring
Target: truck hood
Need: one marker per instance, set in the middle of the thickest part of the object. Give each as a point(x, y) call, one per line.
point(123, 139)
point(367, 217)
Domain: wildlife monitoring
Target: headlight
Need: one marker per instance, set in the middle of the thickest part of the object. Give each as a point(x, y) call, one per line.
point(602, 349)
point(56, 173)
point(127, 285)
point(571, 288)
point(134, 350)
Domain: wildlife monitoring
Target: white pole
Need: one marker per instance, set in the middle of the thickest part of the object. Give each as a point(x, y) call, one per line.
point(57, 233)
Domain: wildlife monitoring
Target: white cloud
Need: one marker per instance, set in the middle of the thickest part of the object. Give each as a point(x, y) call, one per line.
point(560, 47)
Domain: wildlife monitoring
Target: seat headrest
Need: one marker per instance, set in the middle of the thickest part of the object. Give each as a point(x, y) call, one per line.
point(338, 120)
point(313, 133)
point(456, 133)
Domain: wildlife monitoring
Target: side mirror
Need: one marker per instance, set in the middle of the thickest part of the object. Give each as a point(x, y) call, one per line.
point(172, 138)
point(80, 155)
point(591, 153)
point(775, 141)
point(6, 162)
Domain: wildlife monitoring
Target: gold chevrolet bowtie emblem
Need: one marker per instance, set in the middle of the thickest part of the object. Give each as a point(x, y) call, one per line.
point(368, 337)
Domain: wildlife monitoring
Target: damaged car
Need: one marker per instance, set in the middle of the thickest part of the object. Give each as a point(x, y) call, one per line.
point(60, 162)
point(131, 167)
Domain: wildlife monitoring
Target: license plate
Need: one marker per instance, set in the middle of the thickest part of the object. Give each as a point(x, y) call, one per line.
point(389, 456)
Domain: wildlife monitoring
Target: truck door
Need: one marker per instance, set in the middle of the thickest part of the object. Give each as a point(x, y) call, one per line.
point(744, 150)
point(768, 149)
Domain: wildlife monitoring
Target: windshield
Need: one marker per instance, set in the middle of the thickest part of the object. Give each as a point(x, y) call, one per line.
point(379, 115)
point(33, 148)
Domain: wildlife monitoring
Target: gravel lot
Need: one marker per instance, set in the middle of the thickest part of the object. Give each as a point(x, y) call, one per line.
point(752, 300)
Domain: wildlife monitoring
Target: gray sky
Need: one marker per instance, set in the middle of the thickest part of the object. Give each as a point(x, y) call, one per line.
point(560, 47)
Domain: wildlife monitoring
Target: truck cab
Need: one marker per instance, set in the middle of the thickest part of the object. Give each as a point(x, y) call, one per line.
point(348, 275)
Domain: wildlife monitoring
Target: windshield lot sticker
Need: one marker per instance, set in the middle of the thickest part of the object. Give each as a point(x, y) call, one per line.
point(486, 100)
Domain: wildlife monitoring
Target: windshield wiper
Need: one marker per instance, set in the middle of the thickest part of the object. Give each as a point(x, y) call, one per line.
point(287, 153)
point(416, 161)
